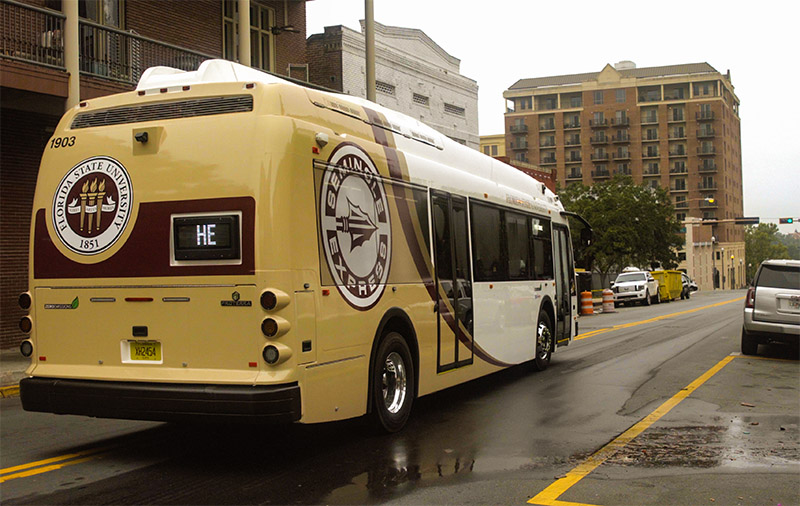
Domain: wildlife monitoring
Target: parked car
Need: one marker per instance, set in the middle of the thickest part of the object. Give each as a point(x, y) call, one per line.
point(688, 286)
point(638, 286)
point(772, 306)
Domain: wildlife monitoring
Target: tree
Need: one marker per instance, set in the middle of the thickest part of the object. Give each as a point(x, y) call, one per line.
point(762, 242)
point(633, 224)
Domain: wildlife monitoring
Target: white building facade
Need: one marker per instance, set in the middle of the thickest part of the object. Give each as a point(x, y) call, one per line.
point(413, 74)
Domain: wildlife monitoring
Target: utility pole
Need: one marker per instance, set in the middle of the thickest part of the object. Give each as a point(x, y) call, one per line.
point(369, 39)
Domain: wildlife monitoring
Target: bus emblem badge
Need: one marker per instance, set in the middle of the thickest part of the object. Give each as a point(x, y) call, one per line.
point(355, 226)
point(91, 206)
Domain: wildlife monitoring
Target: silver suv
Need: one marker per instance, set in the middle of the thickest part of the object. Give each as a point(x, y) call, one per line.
point(772, 306)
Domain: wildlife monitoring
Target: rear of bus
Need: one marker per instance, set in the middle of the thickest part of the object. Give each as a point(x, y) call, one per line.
point(159, 286)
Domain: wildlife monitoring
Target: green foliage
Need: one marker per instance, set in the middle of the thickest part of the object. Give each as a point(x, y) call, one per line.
point(762, 242)
point(792, 244)
point(633, 224)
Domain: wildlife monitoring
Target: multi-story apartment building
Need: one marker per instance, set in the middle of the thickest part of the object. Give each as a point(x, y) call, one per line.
point(674, 126)
point(56, 53)
point(413, 74)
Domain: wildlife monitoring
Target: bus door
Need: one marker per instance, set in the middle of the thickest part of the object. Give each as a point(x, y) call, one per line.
point(453, 281)
point(565, 283)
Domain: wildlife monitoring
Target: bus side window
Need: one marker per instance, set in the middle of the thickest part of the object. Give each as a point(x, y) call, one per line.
point(486, 242)
point(542, 249)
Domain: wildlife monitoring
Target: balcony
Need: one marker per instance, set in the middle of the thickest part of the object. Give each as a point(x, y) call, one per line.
point(34, 35)
point(682, 205)
point(547, 143)
point(677, 136)
point(518, 129)
point(572, 125)
point(522, 144)
point(649, 120)
point(622, 155)
point(598, 123)
point(621, 138)
point(704, 204)
point(548, 160)
point(708, 150)
point(572, 142)
point(707, 186)
point(624, 172)
point(705, 134)
point(677, 153)
point(599, 139)
point(601, 174)
point(650, 154)
point(547, 126)
point(648, 171)
point(620, 121)
point(599, 156)
point(575, 159)
point(677, 189)
point(575, 175)
point(704, 116)
point(676, 118)
point(678, 170)
point(707, 169)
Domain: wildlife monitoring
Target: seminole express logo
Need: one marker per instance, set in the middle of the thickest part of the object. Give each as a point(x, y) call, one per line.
point(92, 205)
point(355, 226)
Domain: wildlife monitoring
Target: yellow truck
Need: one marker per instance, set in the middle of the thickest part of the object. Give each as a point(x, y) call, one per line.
point(669, 284)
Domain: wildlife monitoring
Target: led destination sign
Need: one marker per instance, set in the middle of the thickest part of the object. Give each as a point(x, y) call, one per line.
point(206, 237)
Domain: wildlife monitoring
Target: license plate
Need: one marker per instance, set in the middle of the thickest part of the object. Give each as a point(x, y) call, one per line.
point(147, 351)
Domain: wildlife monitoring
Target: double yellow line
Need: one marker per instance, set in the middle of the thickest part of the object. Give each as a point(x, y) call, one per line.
point(47, 465)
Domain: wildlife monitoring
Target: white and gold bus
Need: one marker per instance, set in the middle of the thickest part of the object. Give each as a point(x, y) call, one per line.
point(225, 245)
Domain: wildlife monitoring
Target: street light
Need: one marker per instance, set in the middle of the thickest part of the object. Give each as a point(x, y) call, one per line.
point(723, 267)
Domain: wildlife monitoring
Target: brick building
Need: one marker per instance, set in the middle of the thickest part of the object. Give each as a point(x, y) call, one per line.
point(674, 126)
point(114, 42)
point(414, 76)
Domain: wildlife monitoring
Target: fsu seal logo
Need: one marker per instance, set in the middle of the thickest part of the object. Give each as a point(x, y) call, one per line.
point(355, 226)
point(92, 205)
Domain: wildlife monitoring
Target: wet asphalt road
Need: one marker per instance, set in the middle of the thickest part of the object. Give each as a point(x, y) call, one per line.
point(504, 439)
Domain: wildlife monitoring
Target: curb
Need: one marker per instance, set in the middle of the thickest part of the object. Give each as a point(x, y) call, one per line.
point(12, 391)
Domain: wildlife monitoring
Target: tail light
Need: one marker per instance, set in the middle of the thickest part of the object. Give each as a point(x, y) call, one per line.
point(750, 298)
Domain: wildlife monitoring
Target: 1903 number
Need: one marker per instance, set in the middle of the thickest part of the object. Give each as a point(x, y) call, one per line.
point(62, 142)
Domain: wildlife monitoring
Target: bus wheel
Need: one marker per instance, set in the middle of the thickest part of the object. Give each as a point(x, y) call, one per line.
point(544, 342)
point(393, 383)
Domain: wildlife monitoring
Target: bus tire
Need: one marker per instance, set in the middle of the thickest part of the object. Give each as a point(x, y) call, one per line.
point(544, 342)
point(393, 383)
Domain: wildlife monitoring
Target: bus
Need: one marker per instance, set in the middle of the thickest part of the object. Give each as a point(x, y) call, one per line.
point(225, 245)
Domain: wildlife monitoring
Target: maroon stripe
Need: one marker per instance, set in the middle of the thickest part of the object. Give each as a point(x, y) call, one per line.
point(146, 253)
point(396, 172)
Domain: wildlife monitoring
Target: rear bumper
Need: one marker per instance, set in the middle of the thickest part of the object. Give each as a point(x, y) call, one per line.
point(163, 401)
point(770, 331)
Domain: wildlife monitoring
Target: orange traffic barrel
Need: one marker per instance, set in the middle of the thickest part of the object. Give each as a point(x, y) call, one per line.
point(608, 301)
point(586, 303)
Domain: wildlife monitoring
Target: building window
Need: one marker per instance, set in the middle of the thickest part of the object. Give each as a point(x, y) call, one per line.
point(104, 12)
point(454, 109)
point(494, 150)
point(262, 43)
point(421, 99)
point(598, 97)
point(575, 102)
point(385, 88)
point(620, 96)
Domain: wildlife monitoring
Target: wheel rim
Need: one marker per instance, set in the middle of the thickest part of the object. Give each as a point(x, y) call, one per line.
point(543, 341)
point(394, 382)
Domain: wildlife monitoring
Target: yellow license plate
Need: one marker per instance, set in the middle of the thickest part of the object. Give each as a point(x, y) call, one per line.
point(149, 351)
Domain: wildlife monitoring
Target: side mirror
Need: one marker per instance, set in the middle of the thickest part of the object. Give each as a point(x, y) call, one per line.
point(586, 236)
point(612, 283)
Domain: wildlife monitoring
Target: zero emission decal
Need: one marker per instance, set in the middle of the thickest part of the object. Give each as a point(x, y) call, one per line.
point(92, 205)
point(355, 226)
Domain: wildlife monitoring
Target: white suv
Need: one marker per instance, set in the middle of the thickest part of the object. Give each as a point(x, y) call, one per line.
point(772, 305)
point(638, 286)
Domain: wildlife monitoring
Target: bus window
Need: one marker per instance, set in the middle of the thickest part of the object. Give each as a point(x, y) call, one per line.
point(486, 243)
point(542, 249)
point(517, 240)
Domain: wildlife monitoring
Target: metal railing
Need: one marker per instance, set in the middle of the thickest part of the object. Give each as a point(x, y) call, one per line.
point(35, 35)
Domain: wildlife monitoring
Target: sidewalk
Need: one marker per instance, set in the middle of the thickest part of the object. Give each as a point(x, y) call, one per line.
point(12, 369)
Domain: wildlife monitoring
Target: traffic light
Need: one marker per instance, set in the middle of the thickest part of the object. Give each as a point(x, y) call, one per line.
point(784, 221)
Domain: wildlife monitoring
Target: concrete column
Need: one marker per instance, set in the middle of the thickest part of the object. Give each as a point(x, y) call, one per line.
point(369, 39)
point(244, 32)
point(72, 53)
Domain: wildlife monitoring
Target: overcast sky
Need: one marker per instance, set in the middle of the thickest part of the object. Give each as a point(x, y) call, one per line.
point(502, 41)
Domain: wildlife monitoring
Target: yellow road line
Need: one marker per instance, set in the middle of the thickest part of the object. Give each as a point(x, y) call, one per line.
point(550, 495)
point(11, 391)
point(651, 320)
point(40, 466)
